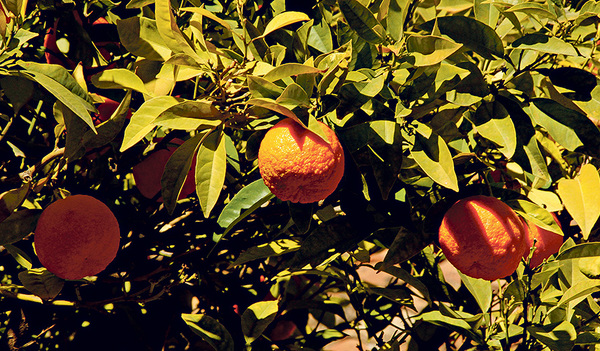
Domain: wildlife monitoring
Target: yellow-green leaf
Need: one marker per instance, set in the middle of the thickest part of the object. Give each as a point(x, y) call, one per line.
point(579, 195)
point(284, 19)
point(211, 167)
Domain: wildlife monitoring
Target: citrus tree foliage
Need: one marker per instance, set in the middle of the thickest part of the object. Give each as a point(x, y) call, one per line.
point(432, 100)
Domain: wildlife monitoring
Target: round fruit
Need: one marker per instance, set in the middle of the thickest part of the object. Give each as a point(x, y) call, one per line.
point(147, 174)
point(547, 243)
point(482, 237)
point(76, 237)
point(297, 165)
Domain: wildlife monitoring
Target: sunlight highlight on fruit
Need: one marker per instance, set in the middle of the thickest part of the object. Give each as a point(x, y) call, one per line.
point(297, 165)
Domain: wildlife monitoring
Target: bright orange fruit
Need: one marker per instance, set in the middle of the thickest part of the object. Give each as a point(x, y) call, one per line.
point(76, 237)
point(483, 237)
point(547, 243)
point(299, 166)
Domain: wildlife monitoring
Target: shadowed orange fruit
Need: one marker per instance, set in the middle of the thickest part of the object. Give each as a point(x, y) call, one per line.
point(76, 237)
point(297, 165)
point(482, 237)
point(547, 243)
point(147, 174)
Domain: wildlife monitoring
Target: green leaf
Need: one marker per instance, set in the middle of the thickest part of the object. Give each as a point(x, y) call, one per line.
point(204, 12)
point(190, 115)
point(580, 250)
point(486, 12)
point(430, 50)
point(493, 123)
point(535, 214)
point(396, 17)
point(544, 43)
point(333, 237)
point(177, 169)
point(61, 76)
point(532, 9)
point(580, 198)
point(557, 336)
point(470, 32)
point(263, 88)
point(589, 266)
point(170, 32)
point(407, 278)
point(119, 78)
point(257, 318)
point(430, 151)
point(40, 282)
point(108, 130)
point(141, 122)
point(333, 80)
point(288, 70)
point(294, 96)
point(75, 103)
point(480, 289)
point(561, 133)
point(275, 107)
point(284, 19)
point(398, 294)
point(18, 225)
point(405, 245)
point(140, 37)
point(437, 318)
point(527, 153)
point(211, 168)
point(10, 200)
point(362, 21)
point(19, 255)
point(585, 129)
point(246, 198)
point(18, 90)
point(319, 36)
point(210, 330)
point(274, 248)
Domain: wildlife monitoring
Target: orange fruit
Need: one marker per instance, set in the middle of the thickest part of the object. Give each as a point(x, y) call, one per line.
point(483, 237)
point(147, 174)
point(297, 165)
point(76, 237)
point(547, 243)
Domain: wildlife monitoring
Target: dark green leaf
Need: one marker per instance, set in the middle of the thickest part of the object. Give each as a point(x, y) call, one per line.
point(209, 329)
point(475, 35)
point(274, 248)
point(257, 318)
point(18, 225)
point(557, 336)
point(10, 200)
point(41, 282)
point(362, 21)
point(211, 168)
point(493, 123)
point(544, 43)
point(176, 170)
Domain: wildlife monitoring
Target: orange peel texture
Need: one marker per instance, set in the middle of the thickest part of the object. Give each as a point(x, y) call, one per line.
point(76, 237)
point(547, 243)
point(297, 165)
point(483, 237)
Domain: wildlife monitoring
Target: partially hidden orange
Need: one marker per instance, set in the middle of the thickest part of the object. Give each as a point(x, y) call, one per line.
point(297, 165)
point(76, 237)
point(148, 173)
point(547, 243)
point(483, 237)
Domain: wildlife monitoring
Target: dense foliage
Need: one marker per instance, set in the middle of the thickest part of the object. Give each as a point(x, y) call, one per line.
point(432, 101)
